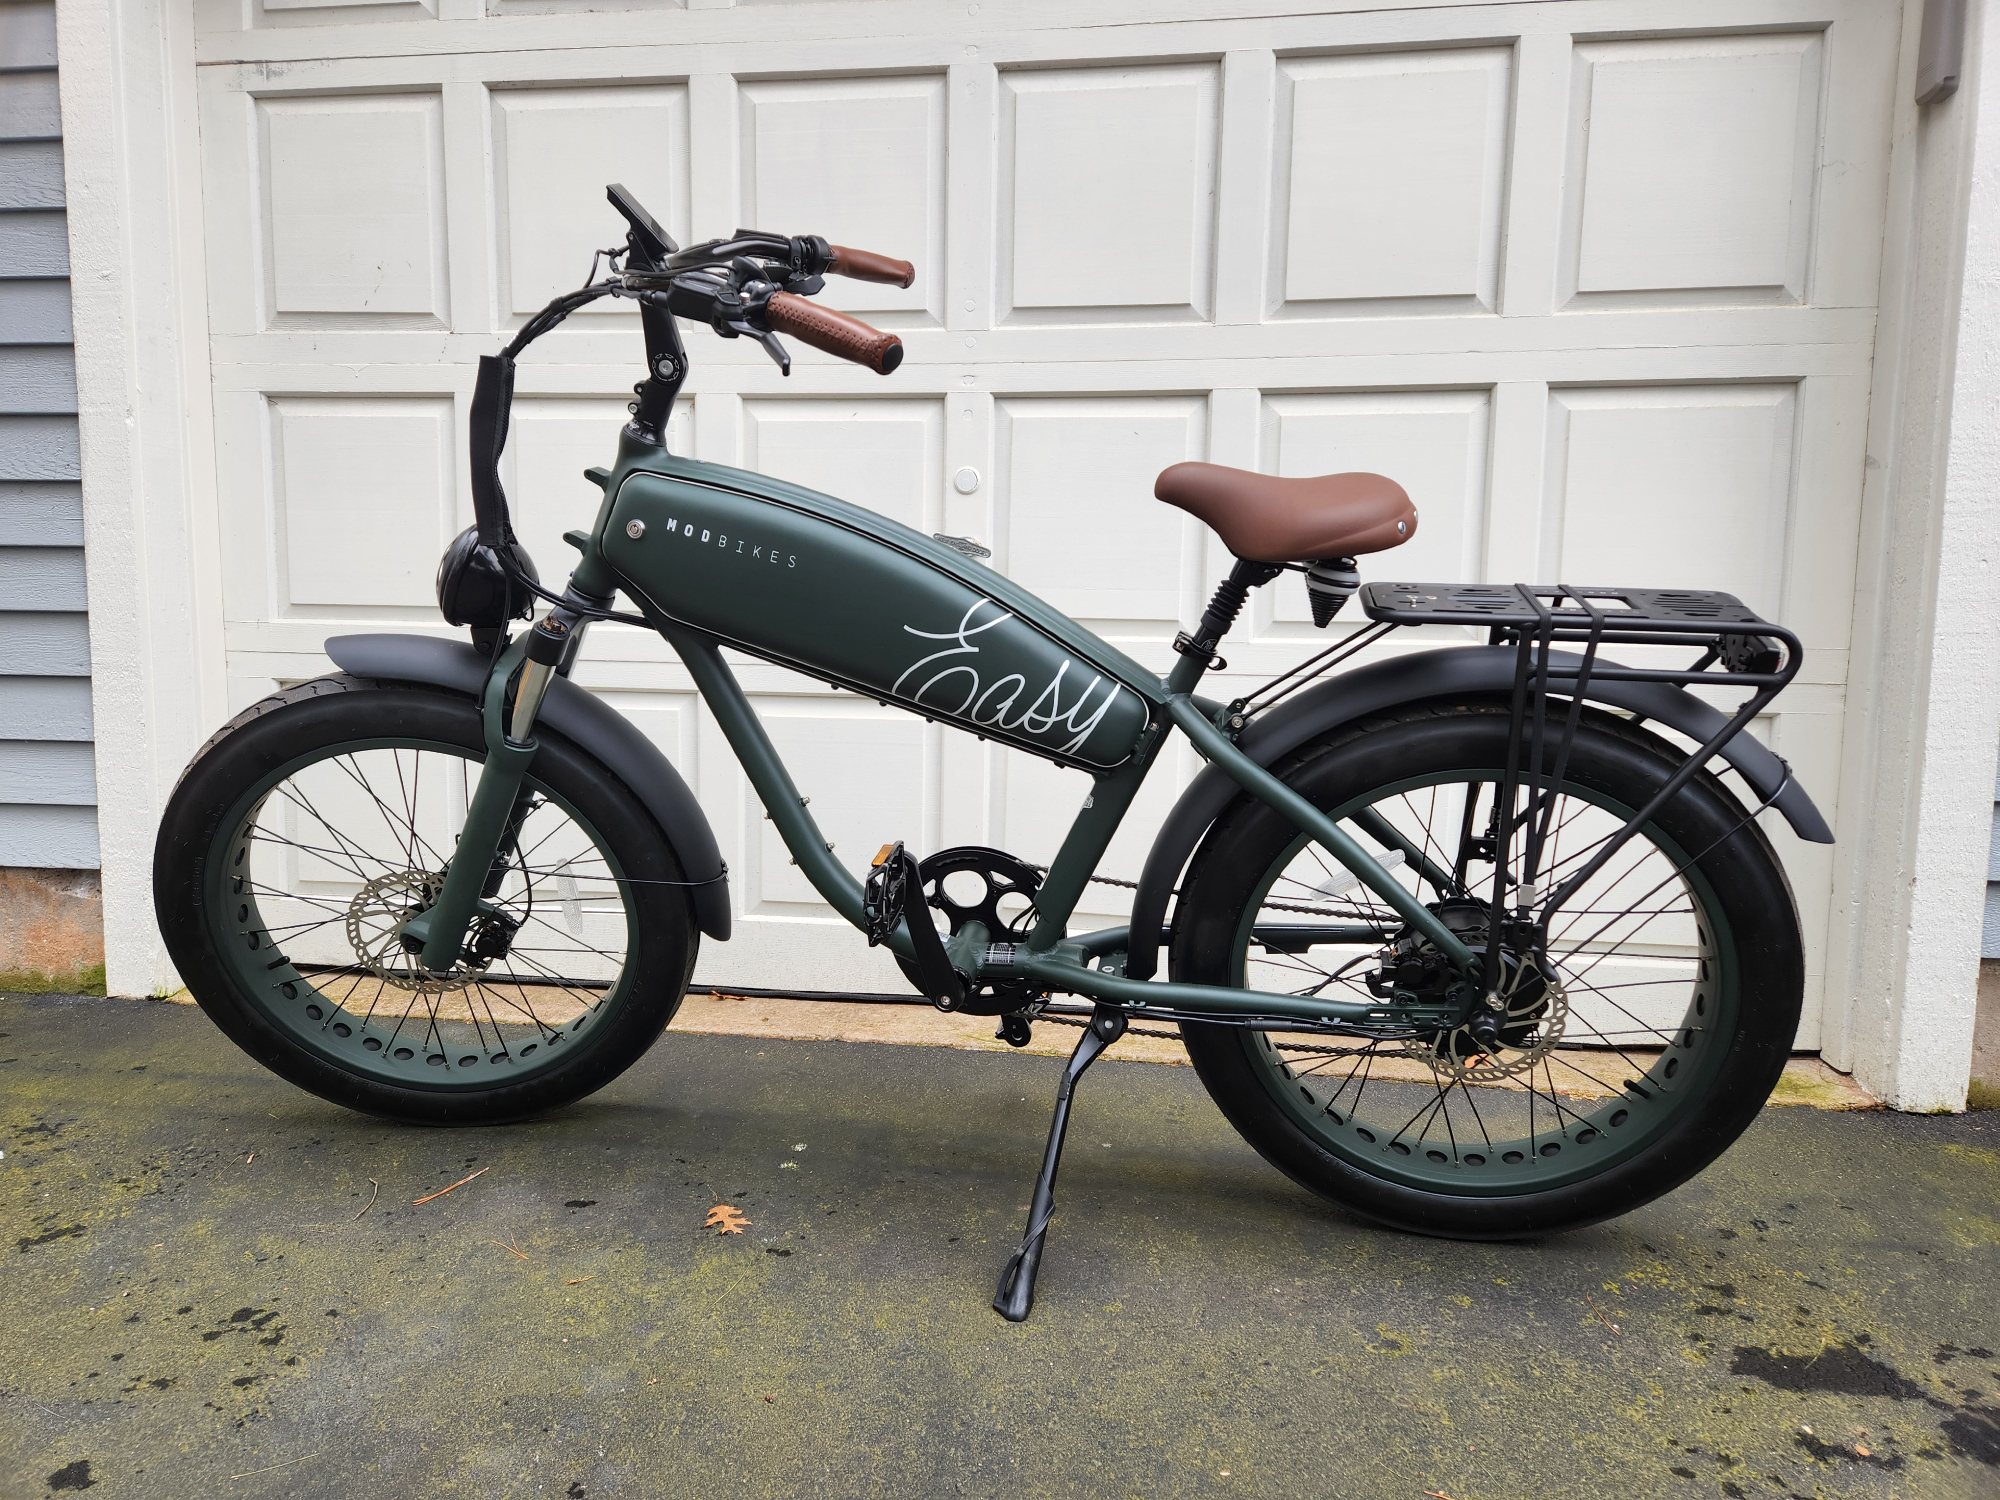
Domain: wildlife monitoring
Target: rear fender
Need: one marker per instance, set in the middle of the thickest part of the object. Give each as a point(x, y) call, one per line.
point(1448, 675)
point(571, 712)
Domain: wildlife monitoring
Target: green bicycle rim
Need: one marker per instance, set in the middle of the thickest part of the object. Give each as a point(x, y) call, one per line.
point(1584, 1138)
point(374, 1030)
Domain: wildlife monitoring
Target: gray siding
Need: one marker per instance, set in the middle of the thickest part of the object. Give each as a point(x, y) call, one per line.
point(1989, 947)
point(48, 782)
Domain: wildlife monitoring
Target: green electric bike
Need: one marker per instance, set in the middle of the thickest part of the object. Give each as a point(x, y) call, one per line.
point(1478, 940)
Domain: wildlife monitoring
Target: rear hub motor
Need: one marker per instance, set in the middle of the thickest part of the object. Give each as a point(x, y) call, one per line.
point(1530, 1016)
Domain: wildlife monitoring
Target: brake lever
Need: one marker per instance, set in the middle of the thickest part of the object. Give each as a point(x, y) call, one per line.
point(766, 340)
point(752, 291)
point(731, 304)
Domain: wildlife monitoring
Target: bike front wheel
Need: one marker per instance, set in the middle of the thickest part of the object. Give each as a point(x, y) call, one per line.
point(314, 825)
point(1638, 1045)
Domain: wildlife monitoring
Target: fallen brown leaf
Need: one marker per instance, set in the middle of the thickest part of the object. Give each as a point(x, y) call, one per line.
point(725, 1218)
point(442, 1191)
point(579, 1281)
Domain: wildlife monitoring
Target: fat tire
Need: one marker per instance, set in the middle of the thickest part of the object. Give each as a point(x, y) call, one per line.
point(321, 715)
point(1610, 756)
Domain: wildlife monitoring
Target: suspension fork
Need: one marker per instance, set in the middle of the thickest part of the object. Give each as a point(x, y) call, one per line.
point(494, 817)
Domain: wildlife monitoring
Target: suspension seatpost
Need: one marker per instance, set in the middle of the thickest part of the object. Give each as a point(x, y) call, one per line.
point(1197, 651)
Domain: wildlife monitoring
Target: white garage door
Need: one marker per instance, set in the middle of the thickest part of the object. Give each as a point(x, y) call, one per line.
point(1595, 280)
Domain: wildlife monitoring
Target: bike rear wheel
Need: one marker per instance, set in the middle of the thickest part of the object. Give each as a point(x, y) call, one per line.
point(314, 825)
point(1632, 1056)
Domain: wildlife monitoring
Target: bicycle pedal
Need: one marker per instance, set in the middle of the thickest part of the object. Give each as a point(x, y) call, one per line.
point(894, 894)
point(882, 896)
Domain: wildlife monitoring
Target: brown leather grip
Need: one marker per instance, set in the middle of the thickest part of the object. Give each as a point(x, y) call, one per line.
point(866, 265)
point(835, 332)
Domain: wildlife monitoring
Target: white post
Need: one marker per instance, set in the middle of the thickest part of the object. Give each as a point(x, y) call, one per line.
point(1925, 695)
point(132, 172)
point(1929, 1052)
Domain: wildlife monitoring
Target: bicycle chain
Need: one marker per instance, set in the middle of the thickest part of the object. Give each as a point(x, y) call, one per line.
point(1175, 1036)
point(1311, 911)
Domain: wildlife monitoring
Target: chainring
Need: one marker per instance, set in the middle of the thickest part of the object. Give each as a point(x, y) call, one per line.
point(1002, 875)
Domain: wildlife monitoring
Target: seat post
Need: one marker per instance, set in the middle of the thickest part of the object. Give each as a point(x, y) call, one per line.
point(1198, 650)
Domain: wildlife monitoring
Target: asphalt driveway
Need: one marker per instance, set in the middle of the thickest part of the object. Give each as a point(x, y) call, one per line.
point(200, 1300)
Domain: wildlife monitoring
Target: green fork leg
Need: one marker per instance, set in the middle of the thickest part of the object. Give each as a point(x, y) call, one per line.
point(441, 930)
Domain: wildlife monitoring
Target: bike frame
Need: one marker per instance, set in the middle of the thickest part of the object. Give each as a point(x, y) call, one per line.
point(718, 558)
point(912, 569)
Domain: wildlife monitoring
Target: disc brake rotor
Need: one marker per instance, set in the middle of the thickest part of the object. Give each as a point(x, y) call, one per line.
point(1536, 1015)
point(375, 921)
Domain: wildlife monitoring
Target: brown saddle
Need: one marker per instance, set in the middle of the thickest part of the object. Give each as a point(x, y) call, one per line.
point(1265, 519)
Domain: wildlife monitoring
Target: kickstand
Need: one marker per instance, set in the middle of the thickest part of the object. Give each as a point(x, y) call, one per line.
point(1017, 1283)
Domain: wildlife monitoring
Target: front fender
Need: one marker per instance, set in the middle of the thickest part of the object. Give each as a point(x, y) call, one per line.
point(1446, 674)
point(576, 715)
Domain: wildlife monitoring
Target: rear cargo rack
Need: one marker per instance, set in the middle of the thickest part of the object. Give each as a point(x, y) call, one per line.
point(1738, 648)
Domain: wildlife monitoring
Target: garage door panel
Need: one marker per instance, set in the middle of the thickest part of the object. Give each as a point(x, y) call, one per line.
point(1692, 168)
point(860, 161)
point(1076, 512)
point(1433, 443)
point(354, 221)
point(1672, 486)
point(1354, 133)
point(1108, 193)
point(869, 780)
point(1042, 800)
point(1831, 448)
point(554, 149)
point(265, 15)
point(884, 453)
point(498, 8)
point(363, 500)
